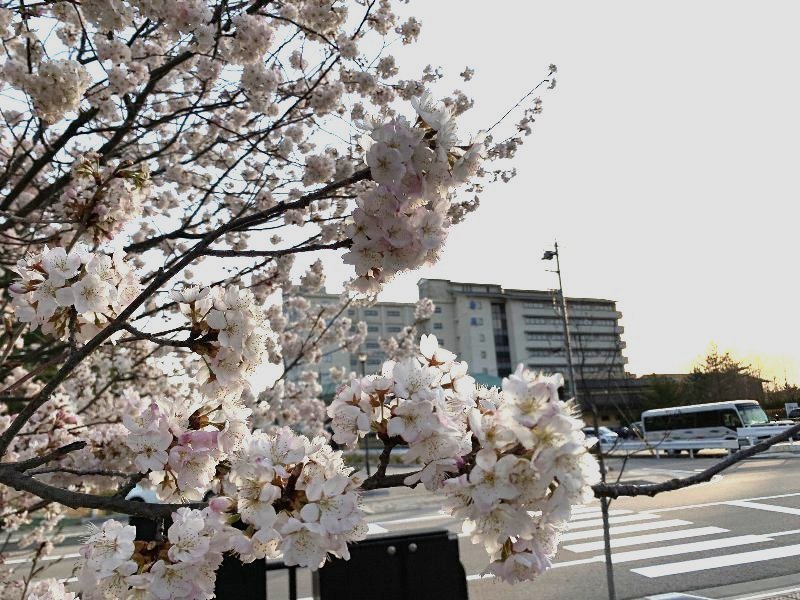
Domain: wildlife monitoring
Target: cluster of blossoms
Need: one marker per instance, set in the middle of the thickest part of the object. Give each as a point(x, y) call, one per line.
point(292, 496)
point(512, 462)
point(115, 565)
point(402, 223)
point(229, 333)
point(182, 444)
point(103, 199)
point(55, 284)
point(49, 589)
point(296, 497)
point(55, 89)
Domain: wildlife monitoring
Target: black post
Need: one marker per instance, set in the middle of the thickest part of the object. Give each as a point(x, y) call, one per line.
point(292, 583)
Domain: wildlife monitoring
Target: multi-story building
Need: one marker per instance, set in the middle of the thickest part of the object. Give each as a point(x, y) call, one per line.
point(494, 329)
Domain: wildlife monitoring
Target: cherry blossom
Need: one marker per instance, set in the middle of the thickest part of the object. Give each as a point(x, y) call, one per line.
point(164, 165)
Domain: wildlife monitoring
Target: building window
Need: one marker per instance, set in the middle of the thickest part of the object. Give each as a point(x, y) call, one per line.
point(394, 329)
point(476, 321)
point(535, 305)
point(393, 312)
point(351, 311)
point(438, 310)
point(373, 328)
point(537, 321)
point(530, 336)
point(373, 345)
point(438, 326)
point(328, 358)
point(475, 304)
point(483, 353)
point(370, 312)
point(482, 337)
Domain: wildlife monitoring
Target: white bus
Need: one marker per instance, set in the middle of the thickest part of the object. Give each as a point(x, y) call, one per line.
point(742, 420)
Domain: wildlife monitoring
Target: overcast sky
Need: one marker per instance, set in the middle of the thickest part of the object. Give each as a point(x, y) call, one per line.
point(665, 164)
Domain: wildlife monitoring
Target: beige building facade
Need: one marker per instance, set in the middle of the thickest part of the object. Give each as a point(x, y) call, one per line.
point(494, 329)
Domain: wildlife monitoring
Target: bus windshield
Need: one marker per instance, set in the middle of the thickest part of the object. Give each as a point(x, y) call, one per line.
point(752, 414)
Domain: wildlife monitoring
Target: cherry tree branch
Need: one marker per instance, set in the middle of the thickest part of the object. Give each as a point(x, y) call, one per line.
point(38, 461)
point(26, 483)
point(162, 277)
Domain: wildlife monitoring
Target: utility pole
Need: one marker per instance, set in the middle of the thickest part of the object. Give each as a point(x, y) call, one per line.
point(573, 387)
point(550, 255)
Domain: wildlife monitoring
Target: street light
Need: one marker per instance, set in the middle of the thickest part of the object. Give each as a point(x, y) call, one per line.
point(362, 358)
point(550, 255)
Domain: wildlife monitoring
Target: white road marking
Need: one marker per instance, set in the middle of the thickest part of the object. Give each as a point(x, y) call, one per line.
point(739, 540)
point(582, 535)
point(415, 519)
point(634, 555)
point(614, 520)
point(19, 561)
point(716, 562)
point(780, 533)
point(761, 506)
point(373, 528)
point(597, 513)
point(722, 502)
point(67, 535)
point(661, 536)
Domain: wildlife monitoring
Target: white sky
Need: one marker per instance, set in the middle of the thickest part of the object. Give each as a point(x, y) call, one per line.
point(664, 164)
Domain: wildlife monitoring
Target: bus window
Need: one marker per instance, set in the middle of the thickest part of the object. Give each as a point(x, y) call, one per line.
point(655, 423)
point(730, 418)
point(707, 418)
point(752, 414)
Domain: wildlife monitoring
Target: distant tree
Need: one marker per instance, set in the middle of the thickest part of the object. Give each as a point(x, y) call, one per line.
point(777, 396)
point(663, 392)
point(720, 377)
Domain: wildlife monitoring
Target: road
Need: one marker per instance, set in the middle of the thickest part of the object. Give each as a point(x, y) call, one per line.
point(733, 537)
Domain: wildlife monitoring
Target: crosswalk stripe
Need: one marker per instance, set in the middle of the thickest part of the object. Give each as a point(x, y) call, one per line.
point(585, 508)
point(661, 536)
point(716, 562)
point(769, 507)
point(415, 519)
point(622, 519)
point(19, 561)
point(596, 513)
point(634, 555)
point(721, 503)
point(739, 540)
point(582, 535)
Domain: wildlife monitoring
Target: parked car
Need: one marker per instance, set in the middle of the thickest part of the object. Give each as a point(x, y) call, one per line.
point(623, 432)
point(607, 437)
point(794, 414)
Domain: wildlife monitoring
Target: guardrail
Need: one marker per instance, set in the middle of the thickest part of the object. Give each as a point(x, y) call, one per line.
point(633, 446)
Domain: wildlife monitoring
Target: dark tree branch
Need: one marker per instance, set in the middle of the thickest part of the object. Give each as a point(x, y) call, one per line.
point(616, 490)
point(38, 461)
point(292, 250)
point(25, 483)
